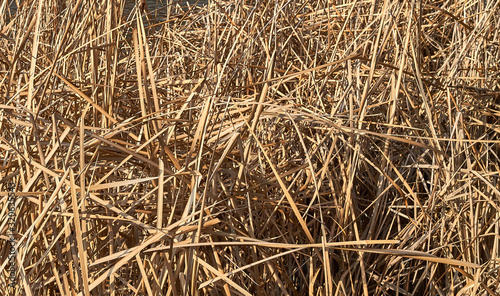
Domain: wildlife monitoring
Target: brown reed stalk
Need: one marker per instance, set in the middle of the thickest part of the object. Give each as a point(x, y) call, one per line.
point(251, 147)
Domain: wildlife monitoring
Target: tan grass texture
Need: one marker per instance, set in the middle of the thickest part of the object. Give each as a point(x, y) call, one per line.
point(251, 147)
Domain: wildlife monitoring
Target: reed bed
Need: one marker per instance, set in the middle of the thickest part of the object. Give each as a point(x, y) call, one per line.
point(251, 147)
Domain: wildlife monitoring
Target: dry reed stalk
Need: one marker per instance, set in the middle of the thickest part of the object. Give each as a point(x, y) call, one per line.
point(251, 147)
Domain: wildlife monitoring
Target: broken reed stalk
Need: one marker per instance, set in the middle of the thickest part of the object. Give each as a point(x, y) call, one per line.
point(251, 147)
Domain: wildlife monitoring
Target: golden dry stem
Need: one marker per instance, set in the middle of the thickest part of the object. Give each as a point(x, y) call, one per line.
point(250, 147)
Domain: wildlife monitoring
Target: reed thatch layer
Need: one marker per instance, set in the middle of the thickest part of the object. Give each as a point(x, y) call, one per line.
point(251, 147)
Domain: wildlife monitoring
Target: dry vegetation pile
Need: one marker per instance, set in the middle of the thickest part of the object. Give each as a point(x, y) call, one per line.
point(251, 147)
